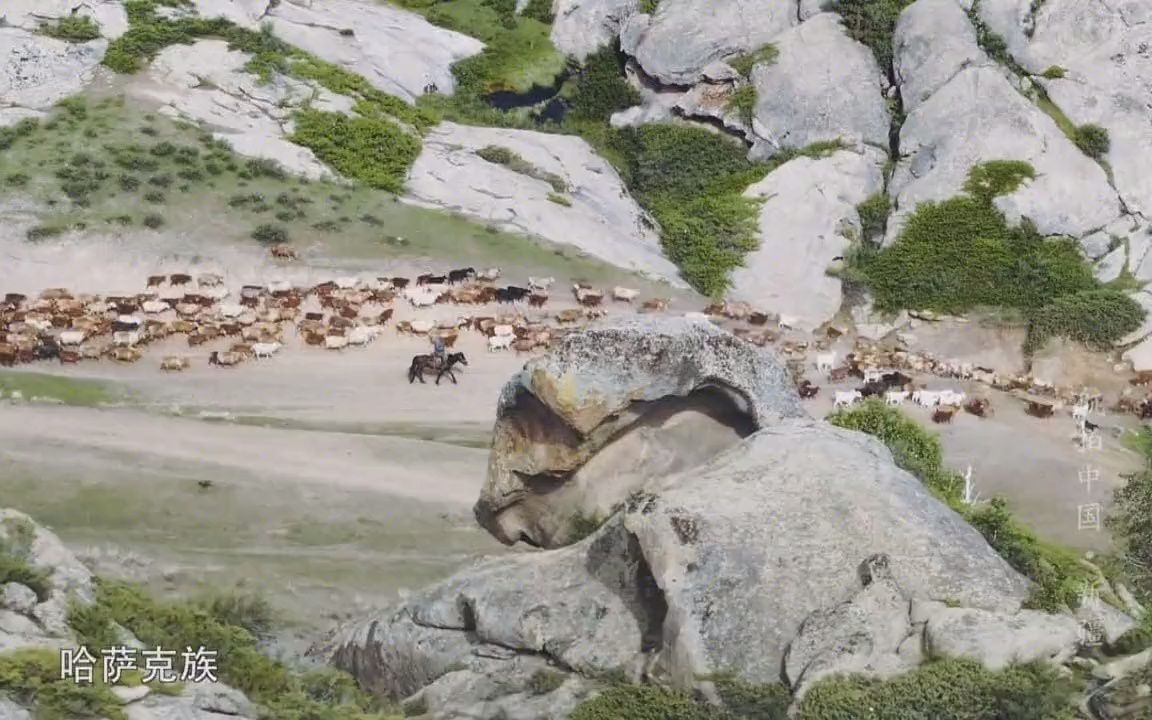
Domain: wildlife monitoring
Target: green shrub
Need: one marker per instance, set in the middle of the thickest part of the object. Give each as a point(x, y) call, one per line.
point(752, 702)
point(16, 179)
point(744, 62)
point(373, 150)
point(270, 234)
point(649, 6)
point(155, 197)
point(600, 88)
point(32, 677)
point(913, 448)
point(944, 690)
point(250, 611)
point(44, 232)
point(743, 102)
point(559, 199)
point(73, 28)
point(9, 135)
point(503, 156)
point(543, 682)
point(997, 177)
point(14, 568)
point(1098, 318)
point(640, 702)
point(1054, 72)
point(872, 22)
point(539, 10)
point(873, 214)
point(153, 221)
point(1092, 140)
point(1131, 519)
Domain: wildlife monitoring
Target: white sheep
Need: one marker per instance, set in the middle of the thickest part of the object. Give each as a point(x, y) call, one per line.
point(335, 342)
point(535, 283)
point(503, 330)
point(488, 274)
point(126, 338)
point(231, 310)
point(872, 375)
point(1080, 412)
point(951, 397)
point(279, 286)
point(845, 398)
point(926, 398)
point(895, 397)
point(500, 342)
point(363, 335)
point(154, 307)
point(421, 326)
point(624, 294)
point(825, 361)
point(347, 283)
point(266, 350)
point(72, 337)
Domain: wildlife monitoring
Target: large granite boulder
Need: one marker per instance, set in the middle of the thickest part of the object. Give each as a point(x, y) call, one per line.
point(581, 27)
point(395, 50)
point(29, 15)
point(683, 37)
point(934, 40)
point(570, 195)
point(797, 105)
point(807, 219)
point(799, 547)
point(608, 410)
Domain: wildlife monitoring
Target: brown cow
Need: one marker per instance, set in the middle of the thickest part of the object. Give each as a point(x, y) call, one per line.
point(283, 251)
point(156, 280)
point(943, 414)
point(178, 279)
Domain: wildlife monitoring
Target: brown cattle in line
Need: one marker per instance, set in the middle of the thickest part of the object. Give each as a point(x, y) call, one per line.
point(156, 280)
point(178, 279)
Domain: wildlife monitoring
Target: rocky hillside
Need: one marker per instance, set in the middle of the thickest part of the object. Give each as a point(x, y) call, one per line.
point(784, 550)
point(797, 157)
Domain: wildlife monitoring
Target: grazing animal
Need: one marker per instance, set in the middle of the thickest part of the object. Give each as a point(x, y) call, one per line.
point(500, 342)
point(896, 380)
point(155, 307)
point(757, 318)
point(872, 389)
point(204, 484)
point(807, 389)
point(538, 299)
point(488, 274)
point(125, 354)
point(282, 251)
point(224, 359)
point(156, 280)
point(589, 298)
point(895, 397)
point(980, 407)
point(427, 363)
point(501, 330)
point(179, 279)
point(1080, 412)
point(926, 398)
point(460, 275)
point(654, 305)
point(209, 280)
point(943, 414)
point(70, 356)
point(535, 283)
point(569, 316)
point(265, 349)
point(951, 397)
point(825, 361)
point(173, 363)
point(72, 337)
point(846, 398)
point(335, 342)
point(363, 335)
point(872, 375)
point(786, 322)
point(1039, 410)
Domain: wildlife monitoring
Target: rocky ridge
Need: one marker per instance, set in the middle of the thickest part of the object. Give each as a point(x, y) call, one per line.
point(799, 550)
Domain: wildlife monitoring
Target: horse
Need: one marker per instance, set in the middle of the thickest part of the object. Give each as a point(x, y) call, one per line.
point(422, 363)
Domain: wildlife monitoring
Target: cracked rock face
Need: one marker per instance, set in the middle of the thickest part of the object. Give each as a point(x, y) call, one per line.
point(614, 408)
point(581, 27)
point(807, 216)
point(601, 218)
point(684, 36)
point(36, 71)
point(800, 546)
point(803, 97)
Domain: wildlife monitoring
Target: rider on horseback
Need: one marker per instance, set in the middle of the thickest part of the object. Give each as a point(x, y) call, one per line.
point(438, 351)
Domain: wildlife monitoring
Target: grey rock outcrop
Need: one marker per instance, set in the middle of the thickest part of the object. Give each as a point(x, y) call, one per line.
point(807, 218)
point(801, 546)
point(933, 41)
point(683, 37)
point(581, 27)
point(37, 71)
point(601, 218)
point(560, 422)
point(29, 15)
point(997, 640)
point(1103, 49)
point(844, 100)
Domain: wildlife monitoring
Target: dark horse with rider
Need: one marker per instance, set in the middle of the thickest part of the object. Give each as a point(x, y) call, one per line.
point(438, 361)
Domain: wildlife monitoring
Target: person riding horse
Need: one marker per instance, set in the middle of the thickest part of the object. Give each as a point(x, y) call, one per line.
point(438, 351)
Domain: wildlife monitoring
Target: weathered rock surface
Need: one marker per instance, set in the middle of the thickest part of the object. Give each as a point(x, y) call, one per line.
point(978, 116)
point(30, 622)
point(581, 27)
point(807, 218)
point(796, 107)
point(395, 50)
point(31, 14)
point(675, 45)
point(602, 219)
point(561, 420)
point(1104, 48)
point(206, 82)
point(996, 639)
point(37, 71)
point(934, 40)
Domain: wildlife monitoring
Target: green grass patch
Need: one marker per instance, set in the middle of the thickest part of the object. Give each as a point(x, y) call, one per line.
point(373, 150)
point(872, 22)
point(73, 28)
point(69, 391)
point(1054, 72)
point(1056, 572)
point(503, 156)
point(284, 693)
point(15, 545)
point(599, 87)
point(1092, 140)
point(743, 102)
point(744, 62)
point(559, 199)
point(32, 678)
point(960, 254)
point(944, 690)
point(874, 212)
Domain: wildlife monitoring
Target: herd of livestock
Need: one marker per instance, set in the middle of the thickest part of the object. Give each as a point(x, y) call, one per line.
point(353, 311)
point(347, 311)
